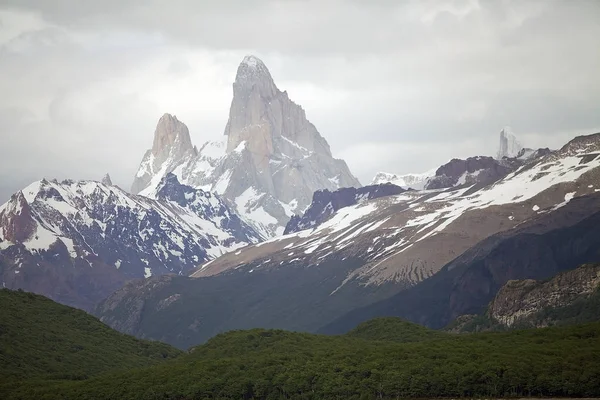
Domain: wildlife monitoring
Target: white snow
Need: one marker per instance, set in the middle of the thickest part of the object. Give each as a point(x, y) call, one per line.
point(41, 240)
point(411, 180)
point(70, 246)
point(31, 191)
point(535, 208)
point(147, 272)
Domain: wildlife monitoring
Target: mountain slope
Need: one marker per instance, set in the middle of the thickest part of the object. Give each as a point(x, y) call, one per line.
point(76, 242)
point(268, 164)
point(365, 253)
point(43, 340)
point(263, 364)
point(539, 249)
point(408, 237)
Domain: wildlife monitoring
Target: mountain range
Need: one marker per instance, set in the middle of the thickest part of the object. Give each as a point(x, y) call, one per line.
point(264, 228)
point(378, 252)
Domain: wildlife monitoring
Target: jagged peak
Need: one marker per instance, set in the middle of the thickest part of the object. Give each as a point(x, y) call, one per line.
point(106, 180)
point(170, 132)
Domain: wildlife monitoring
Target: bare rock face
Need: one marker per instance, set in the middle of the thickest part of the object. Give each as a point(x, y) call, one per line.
point(172, 145)
point(519, 299)
point(268, 166)
point(473, 170)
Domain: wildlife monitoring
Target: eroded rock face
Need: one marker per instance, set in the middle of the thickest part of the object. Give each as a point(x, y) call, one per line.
point(519, 299)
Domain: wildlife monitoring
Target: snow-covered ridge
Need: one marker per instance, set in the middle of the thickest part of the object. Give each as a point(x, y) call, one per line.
point(409, 236)
point(179, 229)
point(412, 181)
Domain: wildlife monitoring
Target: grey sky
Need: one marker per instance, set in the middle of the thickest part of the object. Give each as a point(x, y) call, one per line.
point(399, 86)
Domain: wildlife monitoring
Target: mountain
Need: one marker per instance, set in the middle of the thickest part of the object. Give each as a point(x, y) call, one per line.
point(41, 340)
point(540, 248)
point(509, 145)
point(77, 242)
point(363, 254)
point(268, 164)
point(407, 181)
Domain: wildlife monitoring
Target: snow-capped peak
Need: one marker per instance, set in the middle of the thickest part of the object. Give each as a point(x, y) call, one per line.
point(509, 145)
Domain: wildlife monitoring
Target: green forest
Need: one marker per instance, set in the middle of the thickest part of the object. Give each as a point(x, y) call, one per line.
point(50, 351)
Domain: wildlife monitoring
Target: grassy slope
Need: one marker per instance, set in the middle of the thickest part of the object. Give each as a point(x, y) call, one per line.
point(271, 364)
point(41, 339)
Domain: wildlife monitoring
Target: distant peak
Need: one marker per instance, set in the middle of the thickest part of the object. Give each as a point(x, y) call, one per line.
point(106, 180)
point(509, 145)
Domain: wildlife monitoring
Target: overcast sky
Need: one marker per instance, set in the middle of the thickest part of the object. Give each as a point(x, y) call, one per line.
point(398, 86)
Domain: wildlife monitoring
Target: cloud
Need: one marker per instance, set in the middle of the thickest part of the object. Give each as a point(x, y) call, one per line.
point(409, 84)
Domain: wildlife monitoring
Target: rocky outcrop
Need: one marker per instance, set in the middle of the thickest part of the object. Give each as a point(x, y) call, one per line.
point(472, 171)
point(520, 300)
point(268, 166)
point(326, 203)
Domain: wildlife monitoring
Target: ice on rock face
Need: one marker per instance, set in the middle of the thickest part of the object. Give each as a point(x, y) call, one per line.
point(509, 145)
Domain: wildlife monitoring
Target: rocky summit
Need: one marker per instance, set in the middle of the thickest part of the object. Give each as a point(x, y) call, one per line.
point(269, 163)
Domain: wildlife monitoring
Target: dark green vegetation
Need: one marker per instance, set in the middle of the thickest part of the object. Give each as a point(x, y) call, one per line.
point(275, 364)
point(41, 340)
point(394, 330)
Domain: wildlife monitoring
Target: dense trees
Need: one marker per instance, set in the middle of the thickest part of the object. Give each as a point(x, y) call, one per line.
point(264, 364)
point(55, 352)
